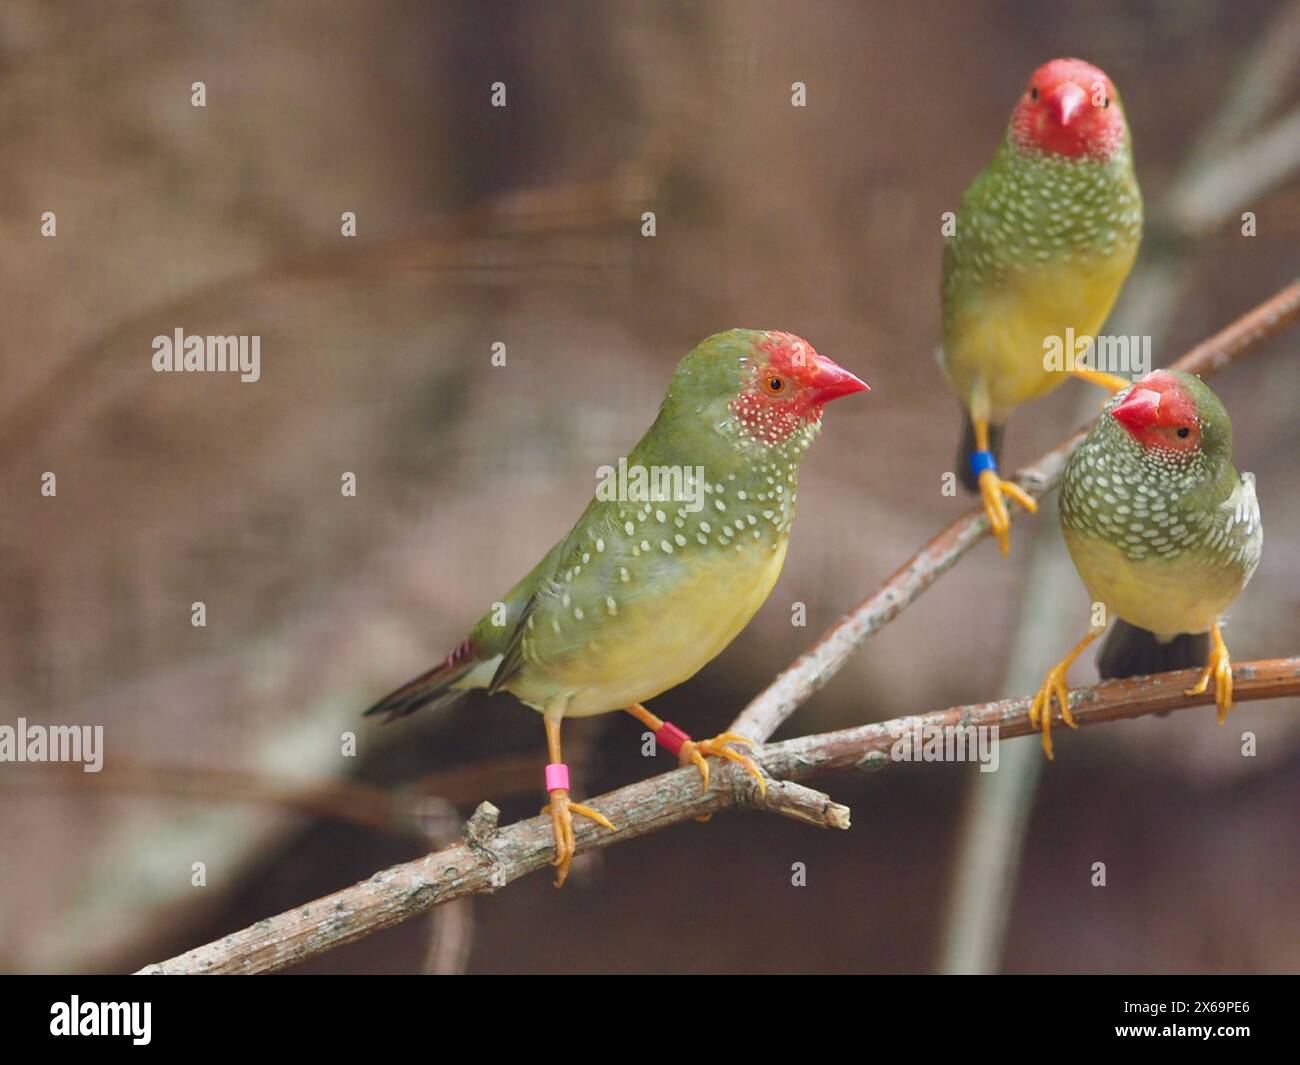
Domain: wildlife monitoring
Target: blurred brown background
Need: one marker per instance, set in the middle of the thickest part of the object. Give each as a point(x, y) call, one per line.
point(522, 225)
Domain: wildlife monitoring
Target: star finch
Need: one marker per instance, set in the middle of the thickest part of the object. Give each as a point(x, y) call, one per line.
point(641, 593)
point(1045, 236)
point(1164, 532)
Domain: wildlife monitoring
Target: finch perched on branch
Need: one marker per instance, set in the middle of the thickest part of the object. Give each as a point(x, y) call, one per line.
point(1164, 533)
point(1043, 240)
point(650, 585)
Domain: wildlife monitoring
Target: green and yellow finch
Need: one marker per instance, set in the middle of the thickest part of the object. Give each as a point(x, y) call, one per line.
point(1164, 532)
point(1043, 240)
point(650, 585)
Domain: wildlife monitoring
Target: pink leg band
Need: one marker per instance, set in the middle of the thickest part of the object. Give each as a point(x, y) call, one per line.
point(671, 738)
point(557, 776)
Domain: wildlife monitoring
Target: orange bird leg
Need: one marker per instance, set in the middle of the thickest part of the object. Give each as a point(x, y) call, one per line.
point(1218, 668)
point(993, 488)
point(1109, 381)
point(692, 752)
point(1040, 711)
point(561, 807)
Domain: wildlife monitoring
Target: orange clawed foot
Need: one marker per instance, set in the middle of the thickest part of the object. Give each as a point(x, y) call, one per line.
point(695, 751)
point(1219, 667)
point(562, 808)
point(992, 489)
point(1054, 686)
point(1040, 713)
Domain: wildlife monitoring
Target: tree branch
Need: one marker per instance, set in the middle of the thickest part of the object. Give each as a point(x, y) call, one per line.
point(489, 858)
point(772, 706)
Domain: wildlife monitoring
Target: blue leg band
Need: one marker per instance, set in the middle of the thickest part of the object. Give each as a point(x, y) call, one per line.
point(981, 461)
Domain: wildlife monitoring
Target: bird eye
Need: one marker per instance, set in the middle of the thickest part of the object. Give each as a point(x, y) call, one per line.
point(1033, 92)
point(1184, 432)
point(774, 384)
point(1106, 102)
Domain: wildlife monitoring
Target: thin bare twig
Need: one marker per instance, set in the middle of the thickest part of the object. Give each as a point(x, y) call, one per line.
point(489, 858)
point(1234, 158)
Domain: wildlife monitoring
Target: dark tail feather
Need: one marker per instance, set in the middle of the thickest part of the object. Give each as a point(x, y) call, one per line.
point(432, 689)
point(968, 479)
point(1133, 652)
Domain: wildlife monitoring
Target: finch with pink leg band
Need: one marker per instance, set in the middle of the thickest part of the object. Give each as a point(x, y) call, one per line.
point(557, 776)
point(671, 737)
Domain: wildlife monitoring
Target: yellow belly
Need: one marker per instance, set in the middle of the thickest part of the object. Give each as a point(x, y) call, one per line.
point(659, 641)
point(994, 353)
point(1163, 596)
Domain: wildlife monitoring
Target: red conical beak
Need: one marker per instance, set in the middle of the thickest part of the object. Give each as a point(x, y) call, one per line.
point(830, 380)
point(1067, 102)
point(1138, 411)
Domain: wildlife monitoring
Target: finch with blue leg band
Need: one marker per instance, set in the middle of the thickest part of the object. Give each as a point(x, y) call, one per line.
point(1042, 242)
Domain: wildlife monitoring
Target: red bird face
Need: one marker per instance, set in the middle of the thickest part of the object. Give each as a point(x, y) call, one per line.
point(1070, 109)
point(1160, 414)
point(789, 386)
